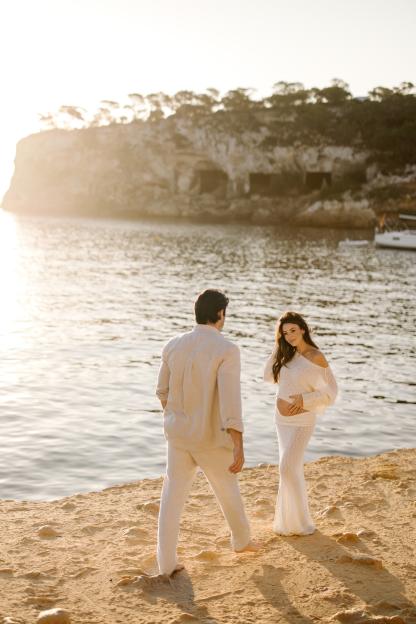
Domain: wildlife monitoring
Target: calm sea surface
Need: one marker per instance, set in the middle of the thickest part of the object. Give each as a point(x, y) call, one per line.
point(86, 306)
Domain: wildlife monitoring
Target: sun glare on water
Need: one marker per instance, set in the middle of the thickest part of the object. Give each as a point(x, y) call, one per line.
point(11, 285)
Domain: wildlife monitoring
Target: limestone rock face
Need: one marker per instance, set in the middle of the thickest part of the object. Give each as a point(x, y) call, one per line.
point(338, 214)
point(180, 168)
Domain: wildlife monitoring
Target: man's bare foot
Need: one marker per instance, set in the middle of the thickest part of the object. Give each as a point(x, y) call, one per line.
point(178, 568)
point(252, 546)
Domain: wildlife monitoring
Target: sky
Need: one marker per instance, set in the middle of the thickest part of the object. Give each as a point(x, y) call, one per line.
point(78, 52)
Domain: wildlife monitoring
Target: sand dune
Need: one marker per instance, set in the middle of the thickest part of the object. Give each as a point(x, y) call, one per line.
point(93, 555)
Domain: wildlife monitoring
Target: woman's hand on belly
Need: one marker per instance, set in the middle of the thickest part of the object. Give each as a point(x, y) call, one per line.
point(289, 409)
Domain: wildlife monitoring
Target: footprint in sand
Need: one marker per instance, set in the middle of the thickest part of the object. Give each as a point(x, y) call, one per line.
point(151, 508)
point(263, 502)
point(346, 538)
point(362, 559)
point(136, 535)
point(129, 580)
point(330, 511)
point(144, 582)
point(337, 596)
point(366, 533)
point(358, 616)
point(206, 555)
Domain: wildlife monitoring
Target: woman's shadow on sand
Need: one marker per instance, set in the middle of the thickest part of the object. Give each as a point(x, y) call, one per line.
point(363, 577)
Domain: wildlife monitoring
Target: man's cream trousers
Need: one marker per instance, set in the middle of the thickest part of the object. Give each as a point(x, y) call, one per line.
point(181, 469)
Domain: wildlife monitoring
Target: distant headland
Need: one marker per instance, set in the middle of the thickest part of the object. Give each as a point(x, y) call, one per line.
point(317, 157)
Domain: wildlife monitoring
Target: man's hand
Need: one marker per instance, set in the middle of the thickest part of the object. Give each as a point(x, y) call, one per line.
point(164, 403)
point(296, 407)
point(238, 463)
point(238, 451)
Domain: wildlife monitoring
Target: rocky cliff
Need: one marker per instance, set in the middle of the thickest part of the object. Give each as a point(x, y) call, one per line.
point(183, 168)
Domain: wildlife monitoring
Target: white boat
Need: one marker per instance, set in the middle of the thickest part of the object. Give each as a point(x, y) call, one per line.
point(405, 239)
point(400, 238)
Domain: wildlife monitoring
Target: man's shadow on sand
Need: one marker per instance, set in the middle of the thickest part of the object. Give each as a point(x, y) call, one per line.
point(177, 590)
point(269, 583)
point(364, 581)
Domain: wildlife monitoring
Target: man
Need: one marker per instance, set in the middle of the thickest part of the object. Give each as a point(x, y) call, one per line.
point(199, 389)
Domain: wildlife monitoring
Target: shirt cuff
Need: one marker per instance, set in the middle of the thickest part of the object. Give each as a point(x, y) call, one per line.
point(162, 395)
point(237, 426)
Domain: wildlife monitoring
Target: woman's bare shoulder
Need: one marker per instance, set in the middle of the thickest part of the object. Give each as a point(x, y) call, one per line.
point(316, 357)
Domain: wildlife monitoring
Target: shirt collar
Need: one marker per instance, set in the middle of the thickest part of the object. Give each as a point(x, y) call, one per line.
point(205, 328)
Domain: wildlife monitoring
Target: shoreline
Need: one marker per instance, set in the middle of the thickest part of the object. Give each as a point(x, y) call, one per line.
point(128, 217)
point(274, 467)
point(91, 553)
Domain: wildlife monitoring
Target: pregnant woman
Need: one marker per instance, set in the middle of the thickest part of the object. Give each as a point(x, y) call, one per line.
point(306, 387)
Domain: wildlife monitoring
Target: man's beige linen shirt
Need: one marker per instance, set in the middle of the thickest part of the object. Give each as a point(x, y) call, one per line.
point(199, 377)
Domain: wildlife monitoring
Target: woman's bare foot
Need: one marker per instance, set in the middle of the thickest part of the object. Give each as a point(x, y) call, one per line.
point(252, 546)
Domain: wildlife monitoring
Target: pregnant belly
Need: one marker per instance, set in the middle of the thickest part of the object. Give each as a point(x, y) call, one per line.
point(283, 407)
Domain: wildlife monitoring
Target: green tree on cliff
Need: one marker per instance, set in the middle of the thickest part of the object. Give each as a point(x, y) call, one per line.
point(47, 121)
point(238, 100)
point(287, 94)
point(336, 94)
point(66, 118)
point(137, 105)
point(158, 105)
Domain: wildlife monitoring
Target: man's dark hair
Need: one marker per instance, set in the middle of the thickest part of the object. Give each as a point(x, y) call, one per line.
point(208, 305)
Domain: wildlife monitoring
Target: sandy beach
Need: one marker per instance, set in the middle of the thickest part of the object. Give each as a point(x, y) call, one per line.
point(93, 554)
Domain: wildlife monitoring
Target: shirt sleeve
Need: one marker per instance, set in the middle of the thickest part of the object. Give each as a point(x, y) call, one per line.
point(325, 396)
point(268, 369)
point(162, 388)
point(229, 390)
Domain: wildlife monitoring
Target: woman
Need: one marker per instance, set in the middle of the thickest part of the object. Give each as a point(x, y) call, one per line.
point(306, 387)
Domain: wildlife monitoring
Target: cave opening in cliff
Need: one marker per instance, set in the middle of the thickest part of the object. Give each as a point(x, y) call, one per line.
point(212, 181)
point(315, 180)
point(272, 184)
point(264, 183)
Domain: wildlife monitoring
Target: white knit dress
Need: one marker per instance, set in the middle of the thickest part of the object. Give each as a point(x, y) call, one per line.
point(318, 388)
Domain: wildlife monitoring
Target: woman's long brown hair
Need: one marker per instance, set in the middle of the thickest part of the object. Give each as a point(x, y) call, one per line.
point(285, 351)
